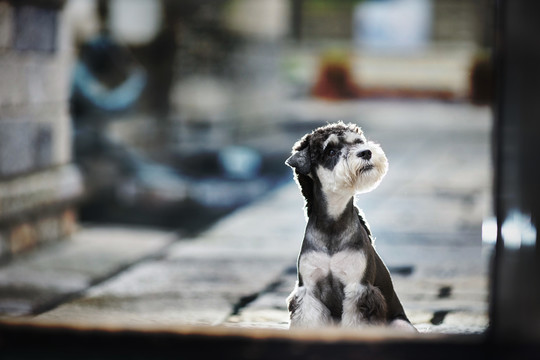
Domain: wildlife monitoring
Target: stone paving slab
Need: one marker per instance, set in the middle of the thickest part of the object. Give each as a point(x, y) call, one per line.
point(51, 274)
point(200, 281)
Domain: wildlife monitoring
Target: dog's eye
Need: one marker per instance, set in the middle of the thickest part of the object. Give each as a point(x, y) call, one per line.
point(332, 152)
point(358, 141)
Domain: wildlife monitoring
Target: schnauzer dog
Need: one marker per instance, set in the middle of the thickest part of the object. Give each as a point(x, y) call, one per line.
point(341, 278)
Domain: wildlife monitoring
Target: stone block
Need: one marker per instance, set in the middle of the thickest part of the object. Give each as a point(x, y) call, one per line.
point(6, 25)
point(35, 29)
point(5, 251)
point(46, 80)
point(44, 146)
point(17, 238)
point(12, 86)
point(17, 147)
point(25, 146)
point(29, 79)
point(36, 54)
point(62, 136)
point(22, 238)
point(53, 126)
point(68, 222)
point(48, 228)
point(25, 194)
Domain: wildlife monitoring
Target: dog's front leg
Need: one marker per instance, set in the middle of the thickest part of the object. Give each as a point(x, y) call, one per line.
point(363, 304)
point(306, 310)
point(352, 317)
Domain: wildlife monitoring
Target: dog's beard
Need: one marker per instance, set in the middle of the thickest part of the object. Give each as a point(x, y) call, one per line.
point(359, 175)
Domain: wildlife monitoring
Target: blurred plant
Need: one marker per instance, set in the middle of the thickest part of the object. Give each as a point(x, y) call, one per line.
point(481, 83)
point(335, 80)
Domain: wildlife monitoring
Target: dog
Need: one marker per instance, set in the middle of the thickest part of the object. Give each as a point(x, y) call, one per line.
point(341, 281)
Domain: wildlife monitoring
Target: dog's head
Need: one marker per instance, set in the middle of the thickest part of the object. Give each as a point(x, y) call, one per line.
point(339, 158)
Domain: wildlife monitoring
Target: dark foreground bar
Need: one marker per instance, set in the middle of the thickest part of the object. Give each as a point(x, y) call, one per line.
point(49, 342)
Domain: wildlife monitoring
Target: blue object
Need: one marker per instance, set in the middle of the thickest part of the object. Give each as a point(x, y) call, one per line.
point(240, 162)
point(99, 95)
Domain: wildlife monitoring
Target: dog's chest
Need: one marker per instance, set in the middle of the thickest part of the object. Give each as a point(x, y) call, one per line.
point(347, 266)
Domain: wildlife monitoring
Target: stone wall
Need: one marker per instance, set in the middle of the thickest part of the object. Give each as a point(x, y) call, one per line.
point(38, 185)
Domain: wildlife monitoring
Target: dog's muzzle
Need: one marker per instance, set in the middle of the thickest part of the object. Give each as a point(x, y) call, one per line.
point(365, 155)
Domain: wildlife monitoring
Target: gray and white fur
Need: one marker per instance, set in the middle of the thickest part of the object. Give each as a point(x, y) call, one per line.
point(342, 281)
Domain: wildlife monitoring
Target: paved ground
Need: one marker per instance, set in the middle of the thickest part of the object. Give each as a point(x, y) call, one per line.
point(426, 215)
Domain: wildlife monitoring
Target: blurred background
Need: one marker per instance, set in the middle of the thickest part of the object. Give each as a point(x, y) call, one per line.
point(183, 107)
point(177, 115)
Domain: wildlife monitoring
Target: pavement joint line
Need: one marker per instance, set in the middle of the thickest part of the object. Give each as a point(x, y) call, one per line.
point(62, 299)
point(244, 301)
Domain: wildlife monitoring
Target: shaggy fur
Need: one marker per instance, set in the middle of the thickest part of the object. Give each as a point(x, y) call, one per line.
point(341, 278)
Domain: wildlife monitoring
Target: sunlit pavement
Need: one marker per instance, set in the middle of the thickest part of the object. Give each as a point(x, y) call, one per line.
point(426, 216)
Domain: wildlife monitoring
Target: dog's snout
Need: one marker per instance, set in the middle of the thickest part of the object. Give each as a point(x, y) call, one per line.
point(366, 154)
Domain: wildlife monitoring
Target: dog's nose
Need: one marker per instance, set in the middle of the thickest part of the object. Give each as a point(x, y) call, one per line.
point(366, 154)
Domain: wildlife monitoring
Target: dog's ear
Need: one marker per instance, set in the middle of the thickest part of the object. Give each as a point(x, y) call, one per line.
point(300, 161)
